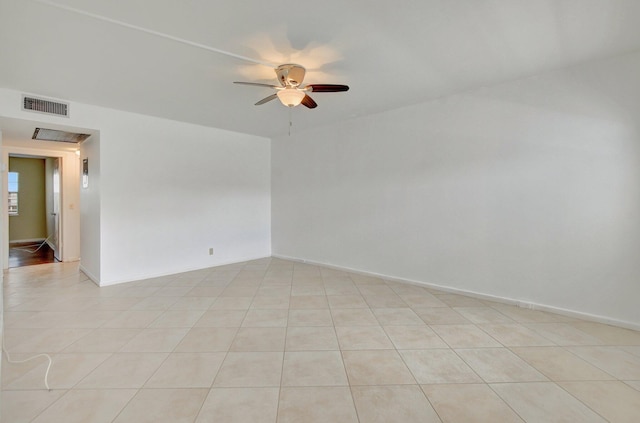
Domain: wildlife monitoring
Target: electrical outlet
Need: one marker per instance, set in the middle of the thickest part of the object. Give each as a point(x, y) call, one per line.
point(210, 251)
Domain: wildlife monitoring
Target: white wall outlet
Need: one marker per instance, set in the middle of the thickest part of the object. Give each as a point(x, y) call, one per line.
point(210, 251)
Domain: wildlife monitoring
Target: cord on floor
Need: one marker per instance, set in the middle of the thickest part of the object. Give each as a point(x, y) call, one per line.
point(46, 373)
point(25, 248)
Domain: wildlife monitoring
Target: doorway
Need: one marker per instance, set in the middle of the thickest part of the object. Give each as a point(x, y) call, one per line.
point(62, 217)
point(34, 192)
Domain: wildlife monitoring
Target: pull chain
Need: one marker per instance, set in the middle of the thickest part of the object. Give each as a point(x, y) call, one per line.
point(290, 122)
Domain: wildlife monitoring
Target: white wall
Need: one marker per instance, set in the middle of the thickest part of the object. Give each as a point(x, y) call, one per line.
point(169, 191)
point(166, 192)
point(527, 191)
point(90, 237)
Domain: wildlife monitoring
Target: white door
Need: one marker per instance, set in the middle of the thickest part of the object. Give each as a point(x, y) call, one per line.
point(55, 237)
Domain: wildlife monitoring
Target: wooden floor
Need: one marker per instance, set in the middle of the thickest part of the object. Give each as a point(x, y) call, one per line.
point(20, 255)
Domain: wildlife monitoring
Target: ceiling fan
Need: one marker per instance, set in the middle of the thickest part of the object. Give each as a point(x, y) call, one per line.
point(291, 92)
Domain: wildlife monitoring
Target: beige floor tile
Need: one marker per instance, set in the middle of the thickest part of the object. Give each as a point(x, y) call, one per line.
point(462, 403)
point(422, 301)
point(382, 367)
point(239, 291)
point(559, 364)
point(440, 316)
point(207, 340)
point(172, 291)
point(339, 288)
point(313, 368)
point(407, 404)
point(455, 300)
point(308, 302)
point(363, 338)
point(155, 303)
point(523, 315)
point(133, 319)
point(544, 402)
point(265, 318)
point(50, 340)
point(177, 319)
point(192, 282)
point(27, 319)
point(347, 301)
point(187, 370)
point(138, 291)
point(438, 366)
point(483, 315)
point(229, 328)
point(82, 406)
point(316, 405)
point(74, 319)
point(385, 301)
point(259, 339)
point(123, 370)
point(66, 370)
point(156, 340)
point(115, 303)
point(616, 362)
point(214, 318)
point(299, 289)
point(205, 291)
point(353, 317)
point(24, 406)
point(464, 336)
point(515, 335)
point(402, 288)
point(310, 318)
point(163, 405)
point(250, 369)
point(499, 365)
point(375, 290)
point(414, 337)
point(232, 303)
point(282, 291)
point(240, 405)
point(40, 304)
point(271, 302)
point(632, 350)
point(613, 400)
point(563, 334)
point(397, 316)
point(609, 335)
point(311, 339)
point(634, 384)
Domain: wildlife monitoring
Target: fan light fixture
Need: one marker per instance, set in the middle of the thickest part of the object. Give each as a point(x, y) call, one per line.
point(290, 97)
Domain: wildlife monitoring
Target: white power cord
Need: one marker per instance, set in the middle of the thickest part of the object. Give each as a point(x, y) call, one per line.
point(25, 248)
point(46, 374)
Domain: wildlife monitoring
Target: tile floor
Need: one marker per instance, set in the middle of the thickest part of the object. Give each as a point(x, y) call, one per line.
point(277, 341)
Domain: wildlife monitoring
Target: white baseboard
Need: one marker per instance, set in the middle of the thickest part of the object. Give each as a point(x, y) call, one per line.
point(21, 241)
point(503, 300)
point(90, 275)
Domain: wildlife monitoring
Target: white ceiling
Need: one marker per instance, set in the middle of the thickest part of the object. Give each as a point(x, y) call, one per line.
point(392, 54)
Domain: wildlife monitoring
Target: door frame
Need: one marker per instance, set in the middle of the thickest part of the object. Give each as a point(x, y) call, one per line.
point(69, 196)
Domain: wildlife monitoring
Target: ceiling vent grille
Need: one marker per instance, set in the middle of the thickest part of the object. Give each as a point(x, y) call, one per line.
point(41, 105)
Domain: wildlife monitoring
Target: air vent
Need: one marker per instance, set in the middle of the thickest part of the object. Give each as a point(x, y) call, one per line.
point(42, 105)
point(44, 134)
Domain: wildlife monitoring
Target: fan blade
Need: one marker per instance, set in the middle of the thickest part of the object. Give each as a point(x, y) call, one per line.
point(256, 84)
point(267, 99)
point(308, 102)
point(327, 88)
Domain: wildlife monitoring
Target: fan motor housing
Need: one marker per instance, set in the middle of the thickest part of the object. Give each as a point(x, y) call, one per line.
point(290, 75)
